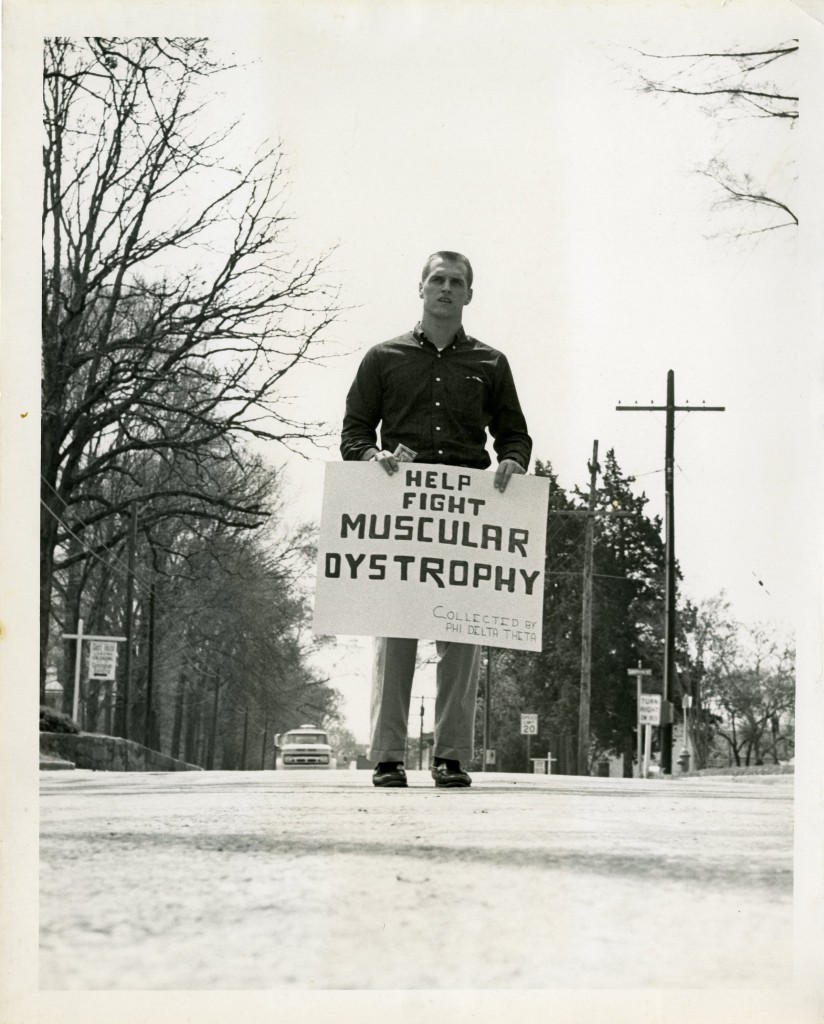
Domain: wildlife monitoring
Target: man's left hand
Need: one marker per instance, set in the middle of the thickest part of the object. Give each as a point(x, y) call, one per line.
point(506, 469)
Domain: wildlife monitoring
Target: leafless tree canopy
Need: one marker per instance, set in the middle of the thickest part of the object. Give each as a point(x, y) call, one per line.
point(173, 305)
point(732, 85)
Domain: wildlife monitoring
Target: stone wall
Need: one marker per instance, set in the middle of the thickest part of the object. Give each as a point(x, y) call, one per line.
point(109, 753)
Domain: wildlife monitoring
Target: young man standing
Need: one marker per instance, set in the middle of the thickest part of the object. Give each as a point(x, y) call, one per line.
point(437, 391)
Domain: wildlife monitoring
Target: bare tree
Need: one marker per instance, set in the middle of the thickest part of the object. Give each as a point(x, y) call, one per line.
point(173, 305)
point(732, 85)
point(745, 683)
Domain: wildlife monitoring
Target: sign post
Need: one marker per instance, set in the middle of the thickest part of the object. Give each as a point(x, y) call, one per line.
point(649, 714)
point(104, 660)
point(638, 673)
point(686, 704)
point(529, 728)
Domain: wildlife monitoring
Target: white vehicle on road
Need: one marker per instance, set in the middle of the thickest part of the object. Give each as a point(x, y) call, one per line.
point(304, 747)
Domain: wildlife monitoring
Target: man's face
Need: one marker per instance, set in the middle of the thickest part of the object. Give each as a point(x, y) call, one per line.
point(445, 290)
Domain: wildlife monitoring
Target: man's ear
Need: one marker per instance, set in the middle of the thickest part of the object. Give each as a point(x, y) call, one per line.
point(468, 296)
point(420, 289)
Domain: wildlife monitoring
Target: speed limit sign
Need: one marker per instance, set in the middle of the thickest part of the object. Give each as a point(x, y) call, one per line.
point(529, 725)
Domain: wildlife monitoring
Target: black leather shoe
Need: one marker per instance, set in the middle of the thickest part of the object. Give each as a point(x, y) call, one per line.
point(389, 773)
point(449, 773)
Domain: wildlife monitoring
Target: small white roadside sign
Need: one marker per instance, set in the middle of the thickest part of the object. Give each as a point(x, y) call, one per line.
point(649, 709)
point(529, 725)
point(102, 659)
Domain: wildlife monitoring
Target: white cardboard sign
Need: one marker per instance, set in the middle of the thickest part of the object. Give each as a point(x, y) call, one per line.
point(433, 552)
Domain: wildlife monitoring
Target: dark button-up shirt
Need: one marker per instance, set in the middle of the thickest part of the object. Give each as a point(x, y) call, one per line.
point(439, 404)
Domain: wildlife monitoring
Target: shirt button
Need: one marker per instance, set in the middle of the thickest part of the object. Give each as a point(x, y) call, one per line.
point(437, 403)
point(437, 428)
point(438, 379)
point(440, 451)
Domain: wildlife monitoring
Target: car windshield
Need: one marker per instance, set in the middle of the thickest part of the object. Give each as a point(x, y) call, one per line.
point(305, 737)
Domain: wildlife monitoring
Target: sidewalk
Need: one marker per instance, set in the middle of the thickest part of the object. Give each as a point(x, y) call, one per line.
point(317, 880)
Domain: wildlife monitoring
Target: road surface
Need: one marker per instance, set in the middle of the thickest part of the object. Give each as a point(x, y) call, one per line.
point(316, 880)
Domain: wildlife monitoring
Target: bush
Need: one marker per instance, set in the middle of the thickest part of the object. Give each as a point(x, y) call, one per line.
point(56, 721)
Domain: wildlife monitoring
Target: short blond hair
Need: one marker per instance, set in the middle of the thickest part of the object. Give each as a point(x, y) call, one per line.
point(452, 257)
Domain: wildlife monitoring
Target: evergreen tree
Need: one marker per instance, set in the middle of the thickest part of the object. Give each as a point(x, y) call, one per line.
point(546, 682)
point(628, 609)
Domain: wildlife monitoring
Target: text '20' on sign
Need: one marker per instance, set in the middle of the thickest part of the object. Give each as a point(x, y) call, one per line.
point(529, 725)
point(434, 552)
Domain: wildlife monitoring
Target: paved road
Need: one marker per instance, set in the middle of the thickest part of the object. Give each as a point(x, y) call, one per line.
point(229, 880)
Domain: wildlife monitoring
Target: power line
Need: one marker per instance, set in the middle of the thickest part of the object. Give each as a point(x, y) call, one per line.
point(93, 554)
point(116, 558)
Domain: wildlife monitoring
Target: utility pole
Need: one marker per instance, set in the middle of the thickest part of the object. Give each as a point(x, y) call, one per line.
point(420, 731)
point(420, 741)
point(487, 694)
point(210, 762)
point(122, 726)
point(586, 623)
point(245, 734)
point(586, 612)
point(147, 718)
point(669, 585)
point(263, 748)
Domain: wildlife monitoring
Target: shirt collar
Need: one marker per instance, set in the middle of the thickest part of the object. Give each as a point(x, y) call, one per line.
point(461, 337)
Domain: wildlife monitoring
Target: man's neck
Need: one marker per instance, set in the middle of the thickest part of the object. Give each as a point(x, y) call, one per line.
point(440, 332)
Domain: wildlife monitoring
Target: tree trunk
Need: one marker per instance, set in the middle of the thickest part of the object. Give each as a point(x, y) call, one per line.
point(192, 720)
point(628, 755)
point(177, 726)
point(212, 744)
point(48, 534)
point(245, 738)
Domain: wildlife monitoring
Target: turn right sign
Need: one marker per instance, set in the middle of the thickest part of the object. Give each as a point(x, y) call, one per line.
point(649, 709)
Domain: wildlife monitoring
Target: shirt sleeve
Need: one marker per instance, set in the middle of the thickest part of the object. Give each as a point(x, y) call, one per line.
point(508, 426)
point(363, 410)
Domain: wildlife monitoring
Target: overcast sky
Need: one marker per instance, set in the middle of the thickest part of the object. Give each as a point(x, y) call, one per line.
point(515, 135)
point(512, 132)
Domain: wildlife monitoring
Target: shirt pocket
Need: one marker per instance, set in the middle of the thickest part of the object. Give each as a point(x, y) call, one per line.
point(468, 397)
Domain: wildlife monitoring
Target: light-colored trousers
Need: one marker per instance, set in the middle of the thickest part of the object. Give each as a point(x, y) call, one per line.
point(457, 688)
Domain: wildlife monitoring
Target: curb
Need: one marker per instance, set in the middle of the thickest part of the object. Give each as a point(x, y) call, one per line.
point(56, 764)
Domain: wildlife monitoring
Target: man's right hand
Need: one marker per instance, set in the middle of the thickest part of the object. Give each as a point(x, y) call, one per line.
point(387, 460)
